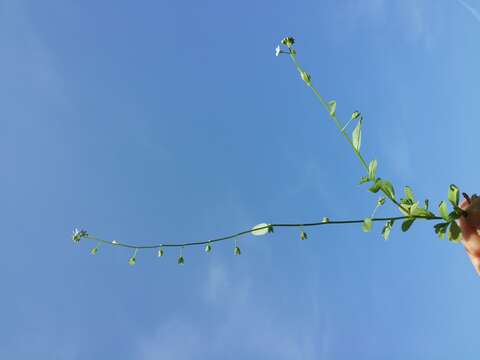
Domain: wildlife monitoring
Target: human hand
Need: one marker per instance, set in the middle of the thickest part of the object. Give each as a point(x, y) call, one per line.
point(470, 226)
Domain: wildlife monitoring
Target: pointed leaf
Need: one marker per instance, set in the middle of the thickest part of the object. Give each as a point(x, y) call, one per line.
point(441, 229)
point(237, 251)
point(333, 107)
point(453, 195)
point(408, 192)
point(355, 115)
point(94, 251)
point(372, 169)
point(406, 224)
point(303, 235)
point(443, 210)
point(357, 136)
point(387, 188)
point(181, 260)
point(454, 232)
point(132, 261)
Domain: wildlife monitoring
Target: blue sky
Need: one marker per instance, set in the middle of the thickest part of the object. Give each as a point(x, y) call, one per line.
point(173, 121)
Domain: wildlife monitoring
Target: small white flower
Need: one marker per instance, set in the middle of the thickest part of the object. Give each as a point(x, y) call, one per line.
point(278, 51)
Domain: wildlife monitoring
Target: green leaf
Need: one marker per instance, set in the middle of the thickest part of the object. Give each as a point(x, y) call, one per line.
point(325, 219)
point(306, 77)
point(387, 229)
point(363, 180)
point(260, 229)
point(332, 105)
point(181, 260)
point(357, 136)
point(367, 224)
point(381, 201)
point(132, 261)
point(94, 251)
point(453, 195)
point(406, 224)
point(441, 229)
point(443, 210)
point(303, 235)
point(415, 210)
point(426, 204)
point(372, 169)
point(270, 228)
point(208, 248)
point(355, 115)
point(387, 188)
point(406, 207)
point(160, 252)
point(237, 251)
point(454, 232)
point(375, 187)
point(454, 215)
point(408, 192)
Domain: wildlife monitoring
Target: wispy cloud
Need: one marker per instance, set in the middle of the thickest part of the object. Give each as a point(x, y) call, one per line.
point(470, 9)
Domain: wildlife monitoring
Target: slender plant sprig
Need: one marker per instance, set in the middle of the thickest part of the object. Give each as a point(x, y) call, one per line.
point(410, 208)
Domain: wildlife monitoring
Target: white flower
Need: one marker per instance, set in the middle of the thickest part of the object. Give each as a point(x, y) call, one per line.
point(278, 51)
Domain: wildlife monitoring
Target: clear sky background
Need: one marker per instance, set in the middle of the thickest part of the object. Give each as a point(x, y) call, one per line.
point(173, 121)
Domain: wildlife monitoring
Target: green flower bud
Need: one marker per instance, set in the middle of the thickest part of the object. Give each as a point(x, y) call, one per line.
point(288, 41)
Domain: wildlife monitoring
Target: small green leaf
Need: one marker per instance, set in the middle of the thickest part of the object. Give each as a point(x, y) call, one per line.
point(408, 192)
point(406, 224)
point(208, 248)
point(94, 251)
point(237, 251)
point(325, 220)
point(160, 252)
point(303, 235)
point(387, 229)
point(363, 180)
point(132, 261)
point(181, 260)
point(332, 105)
point(306, 77)
point(381, 201)
point(415, 210)
point(426, 204)
point(376, 186)
point(454, 215)
point(454, 232)
point(453, 195)
point(367, 224)
point(357, 136)
point(260, 229)
point(441, 229)
point(443, 210)
point(372, 169)
point(355, 115)
point(387, 188)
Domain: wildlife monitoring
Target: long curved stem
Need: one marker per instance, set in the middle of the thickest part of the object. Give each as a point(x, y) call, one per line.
point(245, 232)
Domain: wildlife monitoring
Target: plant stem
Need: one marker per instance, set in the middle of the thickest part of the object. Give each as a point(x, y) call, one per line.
point(293, 56)
point(241, 233)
